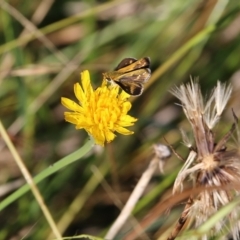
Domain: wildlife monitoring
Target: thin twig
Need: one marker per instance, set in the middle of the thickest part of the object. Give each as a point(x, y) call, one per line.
point(173, 150)
point(115, 198)
point(181, 221)
point(32, 28)
point(136, 194)
point(41, 11)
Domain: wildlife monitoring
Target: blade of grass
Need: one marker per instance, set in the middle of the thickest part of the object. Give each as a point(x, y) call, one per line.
point(81, 198)
point(57, 25)
point(49, 171)
point(30, 182)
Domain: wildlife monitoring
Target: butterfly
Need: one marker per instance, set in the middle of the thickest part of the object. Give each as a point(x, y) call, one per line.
point(131, 74)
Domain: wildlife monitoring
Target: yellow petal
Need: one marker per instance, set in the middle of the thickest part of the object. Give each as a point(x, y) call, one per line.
point(71, 119)
point(123, 131)
point(100, 112)
point(68, 103)
point(81, 97)
point(126, 121)
point(126, 106)
point(124, 95)
point(109, 136)
point(98, 136)
point(85, 77)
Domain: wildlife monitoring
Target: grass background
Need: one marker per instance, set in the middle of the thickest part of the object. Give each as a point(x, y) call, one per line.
point(44, 47)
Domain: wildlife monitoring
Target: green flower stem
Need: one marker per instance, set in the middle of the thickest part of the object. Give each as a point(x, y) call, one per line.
point(49, 171)
point(82, 236)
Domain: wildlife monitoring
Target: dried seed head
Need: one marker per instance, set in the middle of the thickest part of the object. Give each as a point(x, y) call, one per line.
point(211, 164)
point(216, 104)
point(162, 152)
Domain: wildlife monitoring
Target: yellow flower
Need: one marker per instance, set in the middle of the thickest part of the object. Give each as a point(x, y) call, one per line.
point(100, 112)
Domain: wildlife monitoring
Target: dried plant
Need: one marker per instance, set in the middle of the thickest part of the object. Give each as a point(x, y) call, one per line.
point(210, 164)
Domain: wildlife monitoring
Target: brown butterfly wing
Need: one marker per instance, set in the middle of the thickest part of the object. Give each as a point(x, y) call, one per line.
point(132, 82)
point(125, 62)
point(133, 89)
point(142, 63)
point(131, 64)
point(139, 75)
point(130, 74)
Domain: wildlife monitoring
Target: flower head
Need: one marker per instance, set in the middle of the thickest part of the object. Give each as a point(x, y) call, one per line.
point(100, 112)
point(210, 163)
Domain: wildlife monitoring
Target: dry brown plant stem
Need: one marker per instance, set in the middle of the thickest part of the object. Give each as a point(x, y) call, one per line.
point(181, 221)
point(136, 194)
point(30, 27)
